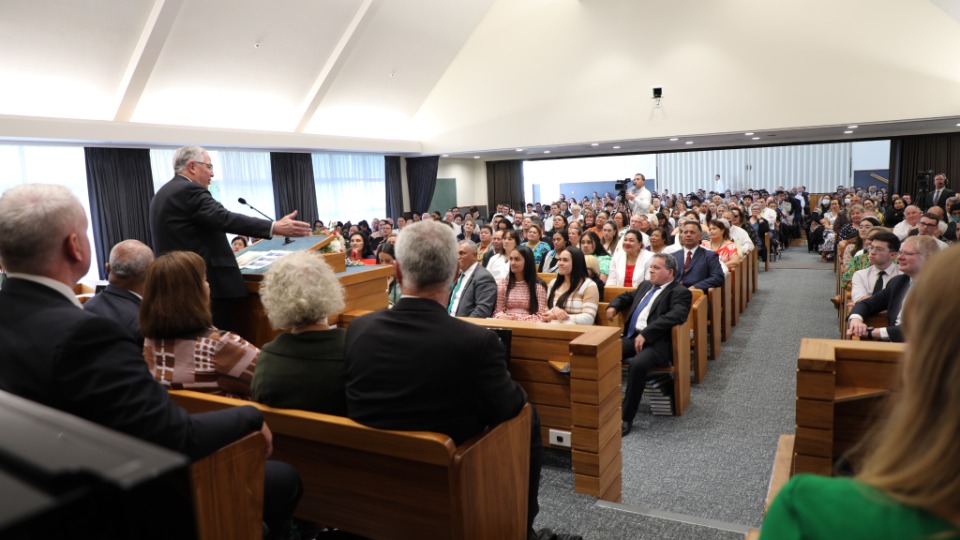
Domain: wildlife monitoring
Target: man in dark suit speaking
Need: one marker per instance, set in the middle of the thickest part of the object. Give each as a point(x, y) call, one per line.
point(416, 368)
point(184, 216)
point(654, 308)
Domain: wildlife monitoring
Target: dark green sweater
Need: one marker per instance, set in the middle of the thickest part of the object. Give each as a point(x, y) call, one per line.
point(303, 371)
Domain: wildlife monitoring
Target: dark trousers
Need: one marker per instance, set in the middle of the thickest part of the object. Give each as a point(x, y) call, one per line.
point(640, 364)
point(281, 493)
point(536, 458)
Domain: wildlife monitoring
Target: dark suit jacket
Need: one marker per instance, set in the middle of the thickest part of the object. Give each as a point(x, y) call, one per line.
point(118, 305)
point(704, 271)
point(414, 367)
point(61, 356)
point(889, 299)
point(942, 201)
point(478, 296)
point(670, 308)
point(184, 216)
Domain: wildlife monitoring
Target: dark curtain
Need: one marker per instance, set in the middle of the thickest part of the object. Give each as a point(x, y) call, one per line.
point(293, 187)
point(421, 181)
point(505, 184)
point(394, 186)
point(120, 185)
point(913, 154)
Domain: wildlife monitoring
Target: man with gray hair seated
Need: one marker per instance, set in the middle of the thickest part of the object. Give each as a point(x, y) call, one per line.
point(127, 272)
point(474, 292)
point(416, 368)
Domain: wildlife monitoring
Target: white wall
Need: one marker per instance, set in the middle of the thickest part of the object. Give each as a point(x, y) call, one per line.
point(549, 174)
point(471, 175)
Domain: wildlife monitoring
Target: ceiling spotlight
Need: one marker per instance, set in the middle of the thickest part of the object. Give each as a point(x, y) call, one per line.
point(519, 149)
point(748, 134)
point(756, 138)
point(847, 132)
point(445, 155)
point(677, 138)
point(546, 151)
point(476, 157)
point(852, 127)
point(598, 144)
point(616, 147)
point(689, 142)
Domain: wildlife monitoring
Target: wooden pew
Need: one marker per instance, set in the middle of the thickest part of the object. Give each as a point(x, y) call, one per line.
point(782, 471)
point(395, 484)
point(228, 490)
point(840, 386)
point(547, 277)
point(766, 244)
point(736, 289)
point(743, 280)
point(726, 303)
point(754, 264)
point(715, 319)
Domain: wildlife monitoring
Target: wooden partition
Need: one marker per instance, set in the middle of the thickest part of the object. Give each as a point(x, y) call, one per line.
point(572, 374)
point(398, 484)
point(228, 490)
point(736, 289)
point(726, 303)
point(754, 270)
point(715, 319)
point(841, 386)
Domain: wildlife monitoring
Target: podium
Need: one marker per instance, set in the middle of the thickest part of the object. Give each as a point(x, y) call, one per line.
point(365, 287)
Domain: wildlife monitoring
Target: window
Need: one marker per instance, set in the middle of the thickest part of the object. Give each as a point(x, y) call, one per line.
point(350, 187)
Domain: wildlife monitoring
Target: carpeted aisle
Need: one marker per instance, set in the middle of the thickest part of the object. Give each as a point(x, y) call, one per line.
point(708, 470)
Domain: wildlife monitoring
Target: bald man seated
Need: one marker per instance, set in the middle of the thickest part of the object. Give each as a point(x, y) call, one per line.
point(120, 301)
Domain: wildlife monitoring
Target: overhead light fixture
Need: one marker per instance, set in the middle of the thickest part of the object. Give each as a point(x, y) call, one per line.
point(847, 132)
point(756, 138)
point(616, 147)
point(519, 149)
point(852, 127)
point(677, 138)
point(748, 134)
point(598, 144)
point(689, 142)
point(476, 157)
point(445, 155)
point(546, 151)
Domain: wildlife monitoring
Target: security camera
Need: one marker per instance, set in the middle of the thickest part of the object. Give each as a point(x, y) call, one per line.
point(657, 92)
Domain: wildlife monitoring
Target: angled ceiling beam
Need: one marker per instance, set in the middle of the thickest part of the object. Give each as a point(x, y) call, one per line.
point(145, 56)
point(335, 61)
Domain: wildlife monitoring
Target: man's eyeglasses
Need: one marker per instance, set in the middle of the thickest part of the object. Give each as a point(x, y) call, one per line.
point(209, 165)
point(928, 224)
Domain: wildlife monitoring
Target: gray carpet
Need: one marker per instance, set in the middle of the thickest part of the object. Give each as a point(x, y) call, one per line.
point(714, 462)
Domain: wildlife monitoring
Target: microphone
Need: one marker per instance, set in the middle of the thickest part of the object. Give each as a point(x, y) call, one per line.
point(243, 201)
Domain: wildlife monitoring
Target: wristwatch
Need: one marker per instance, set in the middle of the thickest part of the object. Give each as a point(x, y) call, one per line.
point(869, 333)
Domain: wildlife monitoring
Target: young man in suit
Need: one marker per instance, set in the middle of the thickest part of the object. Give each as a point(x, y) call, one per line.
point(698, 267)
point(55, 353)
point(914, 253)
point(127, 272)
point(184, 216)
point(416, 368)
point(474, 292)
point(654, 308)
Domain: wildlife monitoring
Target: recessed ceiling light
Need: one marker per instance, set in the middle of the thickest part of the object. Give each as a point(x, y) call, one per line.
point(546, 151)
point(748, 134)
point(519, 149)
point(445, 155)
point(689, 142)
point(847, 132)
point(616, 147)
point(958, 125)
point(756, 138)
point(476, 157)
point(852, 127)
point(677, 138)
point(598, 144)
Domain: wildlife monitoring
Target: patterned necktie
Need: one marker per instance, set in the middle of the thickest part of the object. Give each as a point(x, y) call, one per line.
point(636, 313)
point(879, 286)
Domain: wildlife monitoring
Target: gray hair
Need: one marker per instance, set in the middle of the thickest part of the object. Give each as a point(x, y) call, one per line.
point(669, 261)
point(129, 260)
point(300, 289)
point(34, 219)
point(186, 155)
point(427, 254)
point(470, 245)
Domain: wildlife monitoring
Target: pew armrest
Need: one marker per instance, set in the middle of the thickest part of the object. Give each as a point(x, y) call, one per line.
point(227, 488)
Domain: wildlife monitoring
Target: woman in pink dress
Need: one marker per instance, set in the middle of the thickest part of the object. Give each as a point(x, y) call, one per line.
point(720, 242)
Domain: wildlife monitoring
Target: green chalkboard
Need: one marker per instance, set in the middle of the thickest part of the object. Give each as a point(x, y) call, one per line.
point(444, 195)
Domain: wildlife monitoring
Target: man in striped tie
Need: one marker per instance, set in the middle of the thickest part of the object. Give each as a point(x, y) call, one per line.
point(654, 308)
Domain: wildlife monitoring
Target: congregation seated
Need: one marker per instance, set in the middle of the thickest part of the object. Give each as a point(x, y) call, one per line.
point(182, 348)
point(521, 296)
point(387, 256)
point(474, 292)
point(590, 244)
point(881, 248)
point(721, 243)
point(572, 298)
point(126, 272)
point(549, 263)
point(908, 483)
point(630, 265)
point(302, 368)
point(698, 267)
point(914, 253)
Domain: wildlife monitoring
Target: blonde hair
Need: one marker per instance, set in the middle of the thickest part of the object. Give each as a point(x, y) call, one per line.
point(300, 289)
point(913, 457)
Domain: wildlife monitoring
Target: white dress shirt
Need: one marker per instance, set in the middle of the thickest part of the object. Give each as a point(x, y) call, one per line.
point(464, 279)
point(865, 280)
point(645, 312)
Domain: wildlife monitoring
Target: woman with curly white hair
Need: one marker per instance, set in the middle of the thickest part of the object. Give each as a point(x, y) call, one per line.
point(303, 367)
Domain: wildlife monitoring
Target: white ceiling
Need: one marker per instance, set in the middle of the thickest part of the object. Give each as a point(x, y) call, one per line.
point(476, 77)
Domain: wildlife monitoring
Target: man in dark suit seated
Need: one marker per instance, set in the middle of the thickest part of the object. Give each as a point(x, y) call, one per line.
point(120, 301)
point(698, 267)
point(184, 216)
point(914, 253)
point(55, 353)
point(654, 308)
point(474, 292)
point(414, 367)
